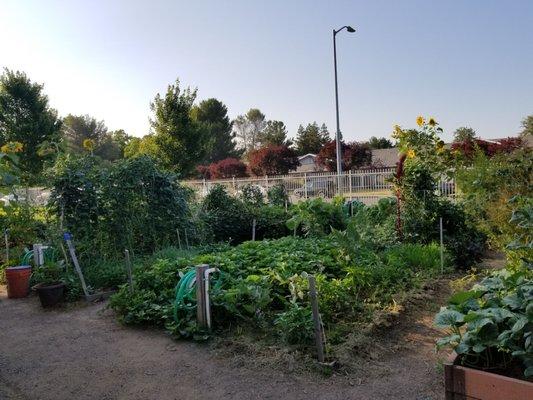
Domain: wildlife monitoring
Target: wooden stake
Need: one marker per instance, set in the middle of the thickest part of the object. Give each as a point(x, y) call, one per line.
point(68, 238)
point(441, 246)
point(179, 239)
point(253, 229)
point(201, 315)
point(316, 318)
point(6, 240)
point(128, 268)
point(186, 238)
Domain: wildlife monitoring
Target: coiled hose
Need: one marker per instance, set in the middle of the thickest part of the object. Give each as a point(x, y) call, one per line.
point(186, 292)
point(49, 253)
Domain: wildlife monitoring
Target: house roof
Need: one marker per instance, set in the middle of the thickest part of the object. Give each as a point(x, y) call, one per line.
point(385, 157)
point(307, 155)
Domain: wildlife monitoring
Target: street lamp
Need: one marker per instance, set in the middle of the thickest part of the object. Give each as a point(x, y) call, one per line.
point(338, 133)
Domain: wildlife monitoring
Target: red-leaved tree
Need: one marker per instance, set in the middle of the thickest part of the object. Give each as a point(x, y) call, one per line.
point(468, 147)
point(354, 155)
point(272, 160)
point(227, 168)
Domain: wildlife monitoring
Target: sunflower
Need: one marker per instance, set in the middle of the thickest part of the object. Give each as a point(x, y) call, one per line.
point(411, 153)
point(12, 147)
point(88, 144)
point(420, 120)
point(432, 121)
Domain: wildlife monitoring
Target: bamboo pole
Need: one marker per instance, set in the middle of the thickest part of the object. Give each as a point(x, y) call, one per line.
point(316, 318)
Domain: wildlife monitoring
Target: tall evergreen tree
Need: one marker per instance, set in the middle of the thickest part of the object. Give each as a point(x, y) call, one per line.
point(26, 117)
point(212, 114)
point(380, 143)
point(311, 138)
point(275, 133)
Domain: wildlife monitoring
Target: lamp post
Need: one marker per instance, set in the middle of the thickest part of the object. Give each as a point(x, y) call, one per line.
point(338, 133)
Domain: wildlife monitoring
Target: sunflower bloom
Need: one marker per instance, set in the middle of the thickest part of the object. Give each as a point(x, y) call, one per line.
point(432, 122)
point(420, 120)
point(88, 144)
point(12, 147)
point(411, 153)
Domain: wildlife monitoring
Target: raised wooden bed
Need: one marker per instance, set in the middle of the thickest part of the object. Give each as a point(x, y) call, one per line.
point(464, 383)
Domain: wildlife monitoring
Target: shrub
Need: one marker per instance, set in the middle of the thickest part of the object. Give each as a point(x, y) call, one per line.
point(227, 168)
point(316, 217)
point(277, 195)
point(273, 160)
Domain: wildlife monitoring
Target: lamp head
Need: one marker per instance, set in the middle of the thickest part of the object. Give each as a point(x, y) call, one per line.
point(350, 29)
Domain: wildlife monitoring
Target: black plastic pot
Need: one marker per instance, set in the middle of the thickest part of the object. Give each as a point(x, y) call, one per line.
point(50, 295)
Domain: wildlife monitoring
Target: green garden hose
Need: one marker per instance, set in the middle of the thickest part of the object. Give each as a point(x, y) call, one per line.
point(50, 255)
point(186, 292)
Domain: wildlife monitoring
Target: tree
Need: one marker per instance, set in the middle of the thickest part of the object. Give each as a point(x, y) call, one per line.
point(121, 138)
point(527, 124)
point(212, 114)
point(77, 128)
point(354, 155)
point(141, 146)
point(275, 133)
point(248, 128)
point(380, 143)
point(273, 160)
point(311, 138)
point(26, 117)
point(180, 140)
point(464, 134)
point(227, 168)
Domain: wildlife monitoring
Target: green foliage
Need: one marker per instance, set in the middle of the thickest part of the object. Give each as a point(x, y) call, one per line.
point(311, 138)
point(277, 195)
point(131, 204)
point(47, 274)
point(180, 140)
point(316, 217)
point(492, 323)
point(275, 133)
point(263, 284)
point(380, 143)
point(212, 114)
point(487, 187)
point(26, 117)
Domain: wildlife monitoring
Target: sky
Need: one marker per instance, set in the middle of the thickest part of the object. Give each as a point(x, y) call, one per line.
point(466, 63)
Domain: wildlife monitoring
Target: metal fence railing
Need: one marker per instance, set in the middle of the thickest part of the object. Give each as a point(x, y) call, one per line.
point(367, 186)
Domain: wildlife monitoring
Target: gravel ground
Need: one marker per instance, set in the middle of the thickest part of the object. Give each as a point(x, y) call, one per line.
point(81, 352)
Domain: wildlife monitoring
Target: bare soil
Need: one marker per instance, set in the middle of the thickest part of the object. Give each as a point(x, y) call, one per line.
point(81, 352)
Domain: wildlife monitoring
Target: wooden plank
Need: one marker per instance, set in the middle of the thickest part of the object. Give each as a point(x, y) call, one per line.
point(316, 318)
point(201, 315)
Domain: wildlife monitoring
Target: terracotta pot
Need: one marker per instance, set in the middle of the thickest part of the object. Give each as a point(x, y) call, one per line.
point(464, 383)
point(18, 281)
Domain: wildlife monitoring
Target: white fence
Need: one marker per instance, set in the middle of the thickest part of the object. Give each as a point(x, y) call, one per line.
point(367, 186)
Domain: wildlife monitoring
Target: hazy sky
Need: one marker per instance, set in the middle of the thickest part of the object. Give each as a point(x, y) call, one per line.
point(465, 62)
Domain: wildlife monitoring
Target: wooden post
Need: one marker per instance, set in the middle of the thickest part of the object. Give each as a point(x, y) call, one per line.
point(253, 229)
point(286, 205)
point(316, 318)
point(350, 183)
point(441, 246)
point(68, 238)
point(201, 315)
point(305, 185)
point(186, 238)
point(179, 239)
point(6, 240)
point(128, 268)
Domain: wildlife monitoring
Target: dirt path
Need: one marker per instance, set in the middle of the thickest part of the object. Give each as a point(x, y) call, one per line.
point(83, 353)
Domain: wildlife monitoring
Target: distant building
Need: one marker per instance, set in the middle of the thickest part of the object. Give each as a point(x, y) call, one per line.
point(385, 157)
point(308, 164)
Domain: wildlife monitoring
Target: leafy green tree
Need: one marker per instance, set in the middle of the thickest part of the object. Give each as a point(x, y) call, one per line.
point(212, 114)
point(527, 124)
point(121, 138)
point(275, 133)
point(311, 138)
point(26, 117)
point(248, 129)
point(380, 143)
point(141, 146)
point(464, 134)
point(180, 139)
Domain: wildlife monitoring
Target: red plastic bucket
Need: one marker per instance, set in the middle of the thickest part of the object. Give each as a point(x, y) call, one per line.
point(18, 281)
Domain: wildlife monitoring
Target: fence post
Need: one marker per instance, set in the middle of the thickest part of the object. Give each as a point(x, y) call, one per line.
point(179, 239)
point(233, 178)
point(316, 318)
point(305, 184)
point(253, 230)
point(350, 183)
point(201, 315)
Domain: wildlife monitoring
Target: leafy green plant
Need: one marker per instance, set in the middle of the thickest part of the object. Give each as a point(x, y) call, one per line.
point(491, 324)
point(48, 273)
point(316, 217)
